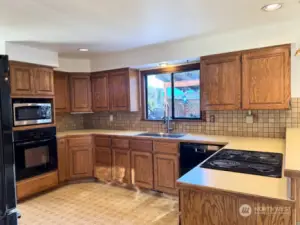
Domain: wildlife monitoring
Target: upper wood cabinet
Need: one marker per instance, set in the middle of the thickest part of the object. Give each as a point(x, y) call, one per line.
point(30, 80)
point(44, 81)
point(252, 79)
point(100, 93)
point(221, 82)
point(61, 90)
point(123, 90)
point(80, 85)
point(266, 78)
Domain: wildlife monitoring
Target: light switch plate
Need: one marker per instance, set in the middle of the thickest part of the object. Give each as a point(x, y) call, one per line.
point(249, 119)
point(111, 118)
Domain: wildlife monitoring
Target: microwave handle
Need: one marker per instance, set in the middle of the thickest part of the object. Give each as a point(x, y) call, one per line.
point(32, 142)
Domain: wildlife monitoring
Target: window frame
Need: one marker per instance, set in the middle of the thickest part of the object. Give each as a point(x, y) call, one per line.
point(171, 70)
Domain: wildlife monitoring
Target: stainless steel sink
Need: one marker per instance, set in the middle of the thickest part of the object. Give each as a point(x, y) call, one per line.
point(166, 135)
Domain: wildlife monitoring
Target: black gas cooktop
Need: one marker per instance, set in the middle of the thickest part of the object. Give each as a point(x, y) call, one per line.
point(251, 162)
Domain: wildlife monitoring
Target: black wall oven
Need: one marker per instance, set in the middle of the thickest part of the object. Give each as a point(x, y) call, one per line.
point(35, 152)
point(32, 111)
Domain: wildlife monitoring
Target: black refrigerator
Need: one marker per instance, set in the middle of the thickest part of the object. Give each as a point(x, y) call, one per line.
point(8, 212)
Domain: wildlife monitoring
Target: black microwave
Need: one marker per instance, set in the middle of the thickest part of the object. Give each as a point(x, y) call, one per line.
point(32, 111)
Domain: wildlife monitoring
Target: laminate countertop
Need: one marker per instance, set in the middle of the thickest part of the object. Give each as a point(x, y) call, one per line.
point(274, 188)
point(292, 155)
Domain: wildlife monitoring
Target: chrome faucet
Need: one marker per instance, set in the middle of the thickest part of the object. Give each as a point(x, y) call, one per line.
point(167, 119)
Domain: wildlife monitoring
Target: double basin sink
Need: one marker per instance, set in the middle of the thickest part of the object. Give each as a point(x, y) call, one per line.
point(166, 135)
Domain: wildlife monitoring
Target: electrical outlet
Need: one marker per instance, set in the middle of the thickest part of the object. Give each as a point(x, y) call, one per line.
point(212, 118)
point(111, 118)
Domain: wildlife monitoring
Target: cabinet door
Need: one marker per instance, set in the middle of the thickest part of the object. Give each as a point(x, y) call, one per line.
point(100, 95)
point(61, 90)
point(80, 93)
point(63, 162)
point(121, 166)
point(221, 82)
point(266, 78)
point(43, 78)
point(81, 164)
point(21, 79)
point(142, 169)
point(119, 90)
point(103, 163)
point(165, 173)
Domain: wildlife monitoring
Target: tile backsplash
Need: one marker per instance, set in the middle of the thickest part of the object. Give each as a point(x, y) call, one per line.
point(267, 123)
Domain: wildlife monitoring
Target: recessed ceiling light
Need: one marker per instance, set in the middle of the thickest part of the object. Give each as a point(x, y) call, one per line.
point(272, 7)
point(83, 50)
point(163, 64)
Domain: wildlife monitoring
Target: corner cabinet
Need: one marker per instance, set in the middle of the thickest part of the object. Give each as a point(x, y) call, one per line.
point(266, 78)
point(251, 79)
point(31, 80)
point(62, 92)
point(115, 90)
point(221, 82)
point(80, 85)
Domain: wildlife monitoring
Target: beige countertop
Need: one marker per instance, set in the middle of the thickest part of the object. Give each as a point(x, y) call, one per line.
point(292, 155)
point(275, 188)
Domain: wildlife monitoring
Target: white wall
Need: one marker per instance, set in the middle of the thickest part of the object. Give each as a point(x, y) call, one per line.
point(24, 53)
point(73, 65)
point(283, 33)
point(2, 47)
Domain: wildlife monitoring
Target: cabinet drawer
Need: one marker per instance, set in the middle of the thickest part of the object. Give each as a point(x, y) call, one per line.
point(165, 147)
point(120, 143)
point(75, 142)
point(141, 145)
point(101, 141)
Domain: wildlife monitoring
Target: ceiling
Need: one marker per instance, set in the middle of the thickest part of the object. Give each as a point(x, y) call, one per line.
point(116, 25)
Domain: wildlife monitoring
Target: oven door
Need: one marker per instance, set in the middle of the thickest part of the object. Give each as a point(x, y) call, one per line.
point(32, 113)
point(35, 157)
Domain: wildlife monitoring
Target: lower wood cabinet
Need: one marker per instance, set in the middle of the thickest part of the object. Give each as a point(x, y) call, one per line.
point(142, 169)
point(81, 160)
point(166, 173)
point(103, 164)
point(63, 160)
point(121, 166)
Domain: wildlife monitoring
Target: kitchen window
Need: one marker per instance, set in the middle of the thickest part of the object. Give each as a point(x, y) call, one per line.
point(177, 88)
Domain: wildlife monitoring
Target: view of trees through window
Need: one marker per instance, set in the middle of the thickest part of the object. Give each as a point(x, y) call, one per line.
point(181, 91)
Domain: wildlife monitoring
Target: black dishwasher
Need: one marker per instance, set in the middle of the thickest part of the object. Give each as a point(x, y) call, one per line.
point(192, 154)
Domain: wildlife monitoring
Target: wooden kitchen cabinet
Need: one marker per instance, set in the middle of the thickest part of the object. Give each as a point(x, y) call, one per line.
point(266, 78)
point(166, 172)
point(63, 160)
point(62, 92)
point(80, 157)
point(142, 169)
point(123, 90)
point(31, 80)
point(43, 78)
point(121, 166)
point(80, 86)
point(100, 92)
point(221, 82)
point(21, 79)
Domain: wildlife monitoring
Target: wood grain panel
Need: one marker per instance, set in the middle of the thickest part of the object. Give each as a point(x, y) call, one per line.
point(81, 162)
point(120, 143)
point(121, 166)
point(78, 141)
point(63, 160)
point(100, 92)
point(142, 169)
point(166, 173)
point(103, 164)
point(165, 147)
point(141, 145)
point(80, 93)
point(61, 91)
point(102, 141)
point(269, 216)
point(221, 82)
point(31, 186)
point(266, 78)
point(119, 92)
point(43, 78)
